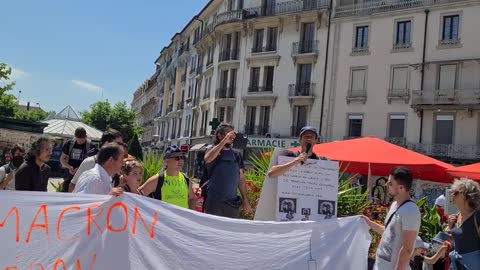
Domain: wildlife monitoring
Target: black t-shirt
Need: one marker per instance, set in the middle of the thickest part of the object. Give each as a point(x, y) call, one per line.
point(466, 237)
point(77, 155)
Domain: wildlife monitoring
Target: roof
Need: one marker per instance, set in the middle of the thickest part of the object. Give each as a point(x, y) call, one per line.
point(380, 158)
point(65, 122)
point(66, 128)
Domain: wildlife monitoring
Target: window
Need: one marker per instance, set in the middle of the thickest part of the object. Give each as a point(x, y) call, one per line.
point(306, 41)
point(221, 114)
point(230, 5)
point(403, 35)
point(396, 126)
point(268, 7)
point(304, 73)
point(272, 39)
point(399, 78)
point(444, 129)
point(229, 114)
point(250, 121)
point(361, 37)
point(358, 81)
point(447, 77)
point(268, 78)
point(299, 119)
point(233, 82)
point(355, 122)
point(450, 28)
point(254, 79)
point(179, 133)
point(264, 120)
point(258, 41)
point(188, 122)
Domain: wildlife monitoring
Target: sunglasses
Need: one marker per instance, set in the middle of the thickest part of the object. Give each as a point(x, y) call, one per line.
point(454, 192)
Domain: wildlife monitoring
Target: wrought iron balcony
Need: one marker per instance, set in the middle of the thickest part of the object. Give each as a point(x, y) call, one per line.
point(269, 48)
point(301, 90)
point(228, 55)
point(258, 89)
point(305, 47)
point(446, 97)
point(401, 141)
point(256, 130)
point(377, 6)
point(287, 7)
point(448, 151)
point(230, 16)
point(225, 93)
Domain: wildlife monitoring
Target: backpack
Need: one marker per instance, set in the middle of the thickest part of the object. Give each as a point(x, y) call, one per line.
point(72, 144)
point(157, 194)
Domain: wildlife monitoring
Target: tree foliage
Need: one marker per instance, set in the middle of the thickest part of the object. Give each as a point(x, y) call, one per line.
point(134, 147)
point(8, 102)
point(32, 115)
point(103, 115)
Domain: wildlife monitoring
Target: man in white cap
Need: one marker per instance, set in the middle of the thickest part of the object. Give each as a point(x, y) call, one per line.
point(440, 204)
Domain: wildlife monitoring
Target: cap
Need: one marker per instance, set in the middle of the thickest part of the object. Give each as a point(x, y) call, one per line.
point(171, 150)
point(441, 201)
point(308, 128)
point(420, 244)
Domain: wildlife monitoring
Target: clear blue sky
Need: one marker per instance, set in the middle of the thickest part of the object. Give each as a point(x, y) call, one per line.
point(73, 52)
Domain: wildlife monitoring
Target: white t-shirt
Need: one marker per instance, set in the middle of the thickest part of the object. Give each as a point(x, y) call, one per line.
point(87, 164)
point(94, 181)
point(3, 176)
point(407, 218)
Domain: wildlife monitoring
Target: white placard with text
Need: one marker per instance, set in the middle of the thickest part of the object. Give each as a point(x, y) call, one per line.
point(308, 191)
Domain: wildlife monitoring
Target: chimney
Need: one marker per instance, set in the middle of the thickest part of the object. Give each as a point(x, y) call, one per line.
point(28, 106)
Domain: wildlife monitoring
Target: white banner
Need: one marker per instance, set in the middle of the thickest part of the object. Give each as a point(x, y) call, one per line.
point(72, 231)
point(308, 191)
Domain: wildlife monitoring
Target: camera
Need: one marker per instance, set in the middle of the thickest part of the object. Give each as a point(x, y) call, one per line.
point(240, 141)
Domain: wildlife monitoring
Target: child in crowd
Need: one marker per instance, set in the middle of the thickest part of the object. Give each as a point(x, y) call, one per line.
point(131, 176)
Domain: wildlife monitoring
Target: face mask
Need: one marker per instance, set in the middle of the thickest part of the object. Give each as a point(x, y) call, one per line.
point(17, 161)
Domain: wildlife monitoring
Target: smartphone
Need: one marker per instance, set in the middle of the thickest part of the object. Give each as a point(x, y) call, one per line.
point(240, 141)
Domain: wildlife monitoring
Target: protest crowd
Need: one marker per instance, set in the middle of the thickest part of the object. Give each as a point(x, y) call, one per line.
point(110, 170)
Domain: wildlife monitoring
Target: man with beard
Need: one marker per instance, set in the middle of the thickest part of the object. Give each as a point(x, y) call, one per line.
point(7, 172)
point(402, 224)
point(33, 174)
point(225, 174)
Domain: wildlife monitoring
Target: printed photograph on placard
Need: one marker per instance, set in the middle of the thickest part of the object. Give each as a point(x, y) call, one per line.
point(288, 206)
point(326, 208)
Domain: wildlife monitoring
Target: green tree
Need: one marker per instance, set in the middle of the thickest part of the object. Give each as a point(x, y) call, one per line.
point(8, 102)
point(134, 148)
point(32, 115)
point(5, 73)
point(120, 117)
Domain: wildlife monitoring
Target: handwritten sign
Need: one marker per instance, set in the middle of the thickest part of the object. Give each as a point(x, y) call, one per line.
point(40, 231)
point(308, 192)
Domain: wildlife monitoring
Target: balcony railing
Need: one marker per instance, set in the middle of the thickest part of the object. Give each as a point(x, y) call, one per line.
point(301, 90)
point(287, 7)
point(228, 55)
point(270, 48)
point(446, 97)
point(209, 62)
point(304, 47)
point(258, 89)
point(256, 130)
point(295, 130)
point(447, 151)
point(225, 93)
point(357, 94)
point(206, 95)
point(402, 141)
point(230, 16)
point(377, 6)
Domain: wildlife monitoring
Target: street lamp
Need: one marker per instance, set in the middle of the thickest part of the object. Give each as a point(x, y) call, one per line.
point(38, 104)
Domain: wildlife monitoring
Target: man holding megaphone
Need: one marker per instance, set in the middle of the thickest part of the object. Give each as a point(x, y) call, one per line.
point(308, 137)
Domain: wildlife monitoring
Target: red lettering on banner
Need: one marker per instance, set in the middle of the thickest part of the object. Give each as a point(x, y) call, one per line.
point(14, 210)
point(125, 212)
point(136, 215)
point(42, 208)
point(91, 218)
point(11, 267)
point(36, 265)
point(59, 221)
point(57, 263)
point(79, 265)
